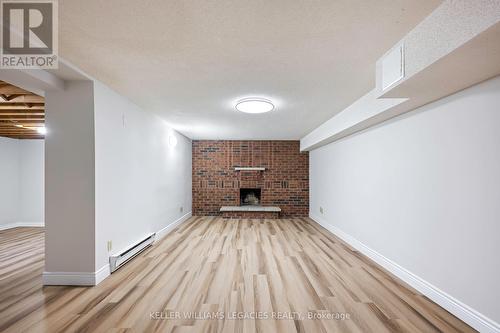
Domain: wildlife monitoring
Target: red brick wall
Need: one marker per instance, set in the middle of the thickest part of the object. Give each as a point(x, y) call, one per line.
point(284, 183)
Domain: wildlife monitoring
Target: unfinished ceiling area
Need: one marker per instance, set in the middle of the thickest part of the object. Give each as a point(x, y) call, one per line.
point(22, 113)
point(191, 61)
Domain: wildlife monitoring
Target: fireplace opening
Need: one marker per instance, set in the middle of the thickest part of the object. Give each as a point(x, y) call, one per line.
point(249, 196)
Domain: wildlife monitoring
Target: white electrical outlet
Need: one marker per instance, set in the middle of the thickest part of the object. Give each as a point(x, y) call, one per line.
point(110, 245)
point(321, 210)
point(182, 209)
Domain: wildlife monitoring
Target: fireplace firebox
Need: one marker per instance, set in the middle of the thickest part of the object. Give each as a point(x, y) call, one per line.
point(249, 196)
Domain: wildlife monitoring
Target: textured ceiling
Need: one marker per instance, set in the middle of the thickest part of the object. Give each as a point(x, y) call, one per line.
point(189, 61)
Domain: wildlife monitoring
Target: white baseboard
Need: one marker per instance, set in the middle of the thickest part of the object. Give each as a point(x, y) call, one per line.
point(75, 278)
point(21, 224)
point(165, 231)
point(102, 273)
point(94, 278)
point(462, 311)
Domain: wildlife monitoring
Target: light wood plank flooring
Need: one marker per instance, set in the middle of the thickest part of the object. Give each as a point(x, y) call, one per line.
point(213, 268)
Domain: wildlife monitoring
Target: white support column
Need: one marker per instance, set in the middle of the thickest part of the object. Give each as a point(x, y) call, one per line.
point(70, 185)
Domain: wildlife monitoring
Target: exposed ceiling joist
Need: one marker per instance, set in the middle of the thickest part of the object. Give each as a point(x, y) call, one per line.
point(21, 112)
point(26, 111)
point(7, 89)
point(21, 106)
point(26, 118)
point(24, 123)
point(24, 99)
point(24, 137)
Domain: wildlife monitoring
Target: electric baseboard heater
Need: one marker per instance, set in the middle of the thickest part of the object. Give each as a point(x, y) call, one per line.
point(116, 261)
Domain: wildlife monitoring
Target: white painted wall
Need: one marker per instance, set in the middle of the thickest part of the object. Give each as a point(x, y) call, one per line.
point(21, 182)
point(423, 190)
point(103, 180)
point(9, 182)
point(32, 187)
point(111, 176)
point(141, 180)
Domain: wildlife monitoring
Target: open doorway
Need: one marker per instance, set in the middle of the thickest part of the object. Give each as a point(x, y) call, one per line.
point(22, 129)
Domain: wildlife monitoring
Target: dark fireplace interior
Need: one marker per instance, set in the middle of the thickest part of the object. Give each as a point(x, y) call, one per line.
point(249, 196)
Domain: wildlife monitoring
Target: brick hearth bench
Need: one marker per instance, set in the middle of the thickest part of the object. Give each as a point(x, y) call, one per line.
point(250, 212)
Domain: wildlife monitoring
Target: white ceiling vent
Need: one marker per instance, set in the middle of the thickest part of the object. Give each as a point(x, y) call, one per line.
point(393, 66)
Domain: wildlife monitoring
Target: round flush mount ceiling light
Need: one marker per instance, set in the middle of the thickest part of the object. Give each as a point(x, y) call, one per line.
point(254, 105)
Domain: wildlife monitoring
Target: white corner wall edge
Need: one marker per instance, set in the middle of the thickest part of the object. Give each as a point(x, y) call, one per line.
point(462, 311)
point(94, 278)
point(165, 231)
point(22, 224)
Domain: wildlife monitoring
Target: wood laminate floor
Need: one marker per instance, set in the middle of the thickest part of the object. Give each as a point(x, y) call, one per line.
point(226, 271)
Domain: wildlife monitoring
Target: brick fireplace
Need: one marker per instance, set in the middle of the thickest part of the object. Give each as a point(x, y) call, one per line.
point(284, 182)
